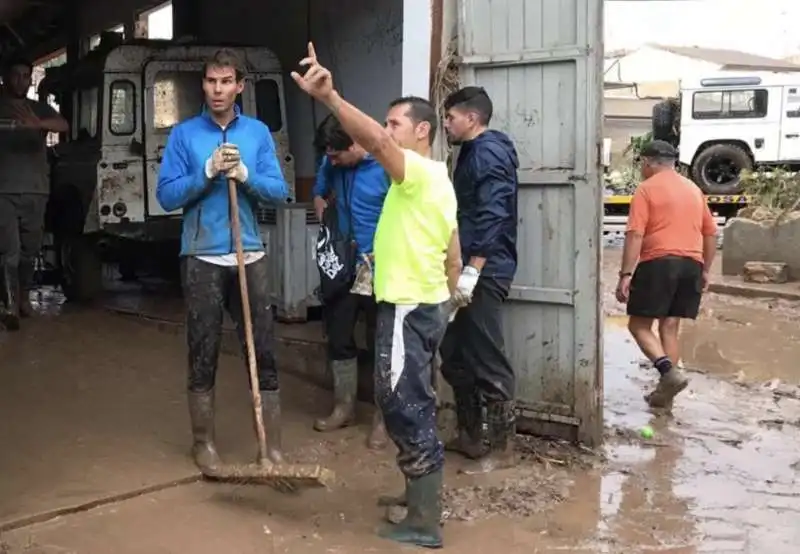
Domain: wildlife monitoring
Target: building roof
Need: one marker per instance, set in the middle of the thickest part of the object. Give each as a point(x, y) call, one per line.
point(726, 59)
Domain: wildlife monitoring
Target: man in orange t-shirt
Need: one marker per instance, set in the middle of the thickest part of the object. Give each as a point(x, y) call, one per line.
point(672, 235)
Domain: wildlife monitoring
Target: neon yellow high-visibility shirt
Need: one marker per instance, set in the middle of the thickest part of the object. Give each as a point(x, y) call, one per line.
point(414, 229)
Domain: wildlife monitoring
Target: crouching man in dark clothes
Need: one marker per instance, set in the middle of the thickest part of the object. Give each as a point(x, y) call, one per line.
point(474, 361)
point(415, 241)
point(24, 187)
point(202, 153)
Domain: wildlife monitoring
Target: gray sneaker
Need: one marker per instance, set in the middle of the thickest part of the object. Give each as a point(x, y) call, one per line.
point(669, 386)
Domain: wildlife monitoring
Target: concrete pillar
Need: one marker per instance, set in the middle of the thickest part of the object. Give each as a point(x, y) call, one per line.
point(187, 19)
point(417, 32)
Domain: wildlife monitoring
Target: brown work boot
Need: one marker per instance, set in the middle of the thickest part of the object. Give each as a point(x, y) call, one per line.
point(377, 439)
point(669, 386)
point(470, 441)
point(201, 413)
point(502, 429)
point(345, 387)
point(271, 409)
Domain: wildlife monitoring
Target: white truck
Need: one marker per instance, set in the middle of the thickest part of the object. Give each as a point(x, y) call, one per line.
point(723, 124)
point(125, 99)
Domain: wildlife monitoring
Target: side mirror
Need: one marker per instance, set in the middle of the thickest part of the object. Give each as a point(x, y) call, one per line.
point(136, 148)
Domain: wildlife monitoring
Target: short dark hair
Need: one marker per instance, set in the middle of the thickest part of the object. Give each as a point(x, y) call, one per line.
point(473, 99)
point(419, 110)
point(660, 152)
point(331, 135)
point(16, 61)
point(226, 57)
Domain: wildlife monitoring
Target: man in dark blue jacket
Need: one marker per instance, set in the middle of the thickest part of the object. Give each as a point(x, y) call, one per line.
point(359, 186)
point(201, 154)
point(474, 361)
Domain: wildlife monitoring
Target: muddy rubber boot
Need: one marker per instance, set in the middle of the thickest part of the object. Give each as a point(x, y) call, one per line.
point(271, 408)
point(470, 441)
point(9, 310)
point(201, 413)
point(422, 524)
point(501, 417)
point(345, 387)
point(377, 438)
point(669, 386)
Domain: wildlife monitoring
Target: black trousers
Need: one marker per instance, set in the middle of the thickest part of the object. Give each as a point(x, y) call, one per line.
point(671, 286)
point(473, 349)
point(406, 341)
point(341, 317)
point(21, 232)
point(209, 289)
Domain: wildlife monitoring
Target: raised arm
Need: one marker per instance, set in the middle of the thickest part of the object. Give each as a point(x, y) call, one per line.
point(318, 83)
point(179, 184)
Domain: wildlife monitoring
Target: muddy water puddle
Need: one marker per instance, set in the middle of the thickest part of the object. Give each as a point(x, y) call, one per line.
point(719, 475)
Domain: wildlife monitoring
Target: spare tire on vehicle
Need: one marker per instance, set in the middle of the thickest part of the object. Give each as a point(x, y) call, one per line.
point(664, 121)
point(717, 169)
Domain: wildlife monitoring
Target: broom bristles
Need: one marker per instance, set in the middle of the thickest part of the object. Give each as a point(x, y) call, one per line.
point(294, 475)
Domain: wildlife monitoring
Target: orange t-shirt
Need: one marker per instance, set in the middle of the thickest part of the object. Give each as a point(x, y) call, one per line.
point(670, 212)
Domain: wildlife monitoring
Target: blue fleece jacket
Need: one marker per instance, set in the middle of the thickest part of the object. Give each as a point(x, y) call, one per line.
point(360, 192)
point(485, 181)
point(182, 182)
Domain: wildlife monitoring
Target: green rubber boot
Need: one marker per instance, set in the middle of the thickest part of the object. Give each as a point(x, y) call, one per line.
point(422, 524)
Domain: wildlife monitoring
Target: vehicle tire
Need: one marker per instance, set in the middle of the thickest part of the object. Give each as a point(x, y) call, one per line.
point(81, 274)
point(717, 169)
point(663, 120)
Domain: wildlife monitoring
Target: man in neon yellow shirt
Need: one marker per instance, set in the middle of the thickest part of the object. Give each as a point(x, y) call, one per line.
point(417, 266)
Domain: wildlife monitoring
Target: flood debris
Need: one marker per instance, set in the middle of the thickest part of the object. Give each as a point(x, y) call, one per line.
point(516, 497)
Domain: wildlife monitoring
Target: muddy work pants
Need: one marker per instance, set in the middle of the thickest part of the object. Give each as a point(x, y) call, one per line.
point(209, 289)
point(341, 318)
point(406, 340)
point(473, 349)
point(21, 232)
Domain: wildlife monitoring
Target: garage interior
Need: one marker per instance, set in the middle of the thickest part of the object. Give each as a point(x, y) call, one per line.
point(112, 421)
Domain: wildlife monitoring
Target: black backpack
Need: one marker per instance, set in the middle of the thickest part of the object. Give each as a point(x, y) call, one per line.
point(336, 254)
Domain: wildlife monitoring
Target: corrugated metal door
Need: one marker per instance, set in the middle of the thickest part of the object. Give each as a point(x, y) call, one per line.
point(541, 62)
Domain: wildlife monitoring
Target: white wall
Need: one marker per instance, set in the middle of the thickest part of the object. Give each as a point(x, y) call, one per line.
point(650, 64)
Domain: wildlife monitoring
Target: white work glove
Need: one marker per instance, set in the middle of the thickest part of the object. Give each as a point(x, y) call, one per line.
point(465, 286)
point(239, 173)
point(222, 160)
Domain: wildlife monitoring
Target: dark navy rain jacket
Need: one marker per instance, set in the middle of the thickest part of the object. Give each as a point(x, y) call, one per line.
point(485, 181)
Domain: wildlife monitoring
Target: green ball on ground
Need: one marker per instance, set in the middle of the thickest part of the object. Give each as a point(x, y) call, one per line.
point(646, 432)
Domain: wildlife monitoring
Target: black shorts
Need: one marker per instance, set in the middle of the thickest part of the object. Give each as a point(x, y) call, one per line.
point(671, 286)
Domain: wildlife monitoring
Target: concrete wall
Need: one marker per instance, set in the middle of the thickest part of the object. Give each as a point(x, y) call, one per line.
point(360, 40)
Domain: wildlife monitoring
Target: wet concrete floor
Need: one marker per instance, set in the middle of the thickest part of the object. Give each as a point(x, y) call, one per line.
point(94, 407)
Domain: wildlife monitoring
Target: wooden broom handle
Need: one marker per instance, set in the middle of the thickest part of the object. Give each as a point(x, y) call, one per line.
point(255, 390)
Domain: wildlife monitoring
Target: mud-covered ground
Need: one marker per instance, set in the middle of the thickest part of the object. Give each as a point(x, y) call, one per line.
point(94, 408)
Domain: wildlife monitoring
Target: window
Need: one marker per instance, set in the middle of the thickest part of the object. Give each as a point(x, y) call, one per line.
point(268, 104)
point(177, 95)
point(122, 108)
point(730, 104)
point(86, 101)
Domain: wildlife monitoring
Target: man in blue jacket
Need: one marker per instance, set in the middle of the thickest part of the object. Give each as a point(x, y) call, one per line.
point(474, 361)
point(202, 153)
point(359, 185)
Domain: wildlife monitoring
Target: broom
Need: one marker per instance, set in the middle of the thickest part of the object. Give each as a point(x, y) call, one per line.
point(284, 477)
